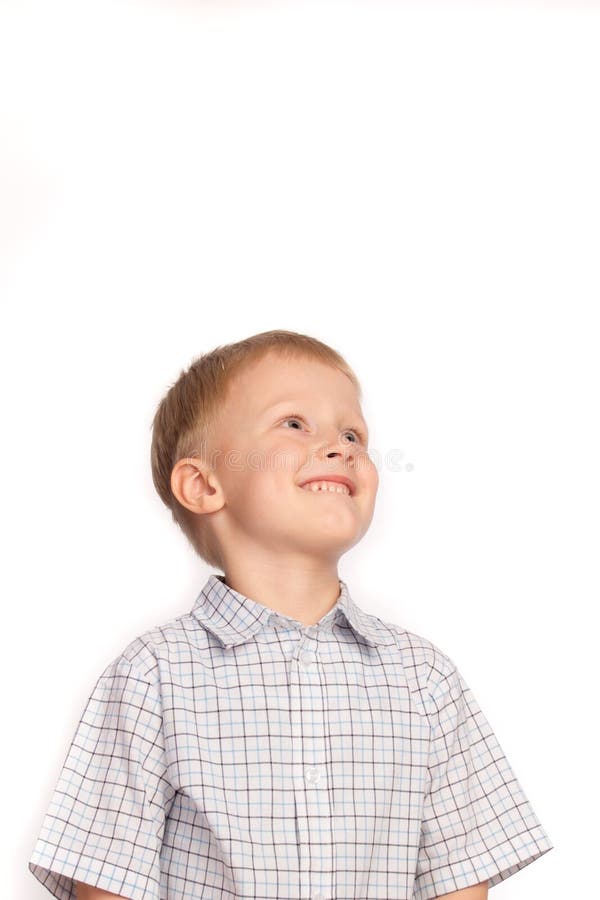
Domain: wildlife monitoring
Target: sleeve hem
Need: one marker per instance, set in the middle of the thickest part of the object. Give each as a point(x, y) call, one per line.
point(493, 867)
point(59, 877)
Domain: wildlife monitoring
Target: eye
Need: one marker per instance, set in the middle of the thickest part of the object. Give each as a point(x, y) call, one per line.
point(293, 418)
point(359, 435)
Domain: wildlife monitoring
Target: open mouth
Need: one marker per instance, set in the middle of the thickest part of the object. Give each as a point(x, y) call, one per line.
point(326, 487)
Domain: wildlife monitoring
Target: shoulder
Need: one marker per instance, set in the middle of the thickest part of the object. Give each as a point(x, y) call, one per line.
point(429, 670)
point(148, 654)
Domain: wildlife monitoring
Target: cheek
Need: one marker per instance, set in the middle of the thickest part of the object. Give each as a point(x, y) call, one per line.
point(284, 458)
point(375, 478)
point(250, 497)
point(264, 482)
point(370, 475)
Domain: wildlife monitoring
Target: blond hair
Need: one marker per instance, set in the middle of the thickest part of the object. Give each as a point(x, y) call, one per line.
point(185, 416)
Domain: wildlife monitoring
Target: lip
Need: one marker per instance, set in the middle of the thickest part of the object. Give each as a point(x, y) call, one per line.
point(339, 479)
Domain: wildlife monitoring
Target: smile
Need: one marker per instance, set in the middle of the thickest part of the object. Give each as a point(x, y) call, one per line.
point(325, 487)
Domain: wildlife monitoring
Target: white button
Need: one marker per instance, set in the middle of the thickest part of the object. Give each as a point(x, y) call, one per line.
point(312, 775)
point(307, 659)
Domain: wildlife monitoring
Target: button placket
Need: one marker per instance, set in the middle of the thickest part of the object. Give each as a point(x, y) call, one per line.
point(309, 730)
point(307, 659)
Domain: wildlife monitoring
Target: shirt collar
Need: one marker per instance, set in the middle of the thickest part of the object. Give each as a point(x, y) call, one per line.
point(234, 618)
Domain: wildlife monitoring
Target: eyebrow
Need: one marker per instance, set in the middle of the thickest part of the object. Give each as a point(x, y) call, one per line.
point(360, 420)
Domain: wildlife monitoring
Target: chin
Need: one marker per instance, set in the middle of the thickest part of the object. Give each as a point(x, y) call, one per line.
point(330, 540)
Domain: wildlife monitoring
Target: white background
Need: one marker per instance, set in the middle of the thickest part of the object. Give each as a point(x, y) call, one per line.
point(417, 185)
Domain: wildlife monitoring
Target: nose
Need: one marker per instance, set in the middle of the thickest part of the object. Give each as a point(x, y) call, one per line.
point(339, 448)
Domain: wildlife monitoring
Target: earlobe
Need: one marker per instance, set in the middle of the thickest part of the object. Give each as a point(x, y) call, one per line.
point(196, 486)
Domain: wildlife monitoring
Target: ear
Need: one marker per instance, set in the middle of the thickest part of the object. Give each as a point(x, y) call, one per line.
point(196, 486)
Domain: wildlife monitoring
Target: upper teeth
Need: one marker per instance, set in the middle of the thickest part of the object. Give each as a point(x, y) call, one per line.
point(332, 486)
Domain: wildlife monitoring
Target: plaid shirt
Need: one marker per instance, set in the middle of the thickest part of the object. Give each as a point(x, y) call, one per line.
point(234, 752)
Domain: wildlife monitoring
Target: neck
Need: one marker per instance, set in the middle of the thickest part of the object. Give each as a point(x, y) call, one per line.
point(306, 593)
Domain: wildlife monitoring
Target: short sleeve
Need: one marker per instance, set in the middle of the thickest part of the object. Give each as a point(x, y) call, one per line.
point(477, 823)
point(105, 822)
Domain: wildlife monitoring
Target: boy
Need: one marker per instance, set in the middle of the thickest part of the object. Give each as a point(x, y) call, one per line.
point(277, 741)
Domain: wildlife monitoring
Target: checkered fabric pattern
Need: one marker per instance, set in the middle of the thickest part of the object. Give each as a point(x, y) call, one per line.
point(235, 752)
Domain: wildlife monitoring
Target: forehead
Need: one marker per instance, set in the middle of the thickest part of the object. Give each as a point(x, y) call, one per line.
point(275, 378)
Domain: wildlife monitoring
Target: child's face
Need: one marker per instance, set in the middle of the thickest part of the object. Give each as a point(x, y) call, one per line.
point(279, 422)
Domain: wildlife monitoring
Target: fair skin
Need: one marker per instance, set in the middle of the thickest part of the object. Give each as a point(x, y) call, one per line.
point(87, 892)
point(476, 892)
point(271, 532)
